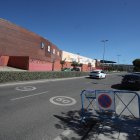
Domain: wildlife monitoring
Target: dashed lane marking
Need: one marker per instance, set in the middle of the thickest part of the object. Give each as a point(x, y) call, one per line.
point(13, 99)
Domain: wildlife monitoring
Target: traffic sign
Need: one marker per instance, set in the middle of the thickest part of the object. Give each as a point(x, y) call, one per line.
point(105, 100)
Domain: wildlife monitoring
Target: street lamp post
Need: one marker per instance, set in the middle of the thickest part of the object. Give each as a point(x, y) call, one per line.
point(104, 41)
point(78, 57)
point(118, 60)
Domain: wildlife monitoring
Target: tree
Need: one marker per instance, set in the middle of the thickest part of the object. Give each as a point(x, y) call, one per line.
point(81, 65)
point(89, 65)
point(136, 64)
point(62, 62)
point(53, 63)
point(74, 64)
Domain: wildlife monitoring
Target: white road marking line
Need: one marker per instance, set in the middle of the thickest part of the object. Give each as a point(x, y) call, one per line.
point(63, 134)
point(13, 99)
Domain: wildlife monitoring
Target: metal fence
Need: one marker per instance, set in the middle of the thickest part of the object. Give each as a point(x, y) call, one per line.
point(119, 103)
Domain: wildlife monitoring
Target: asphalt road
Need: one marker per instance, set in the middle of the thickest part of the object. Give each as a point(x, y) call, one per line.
point(33, 111)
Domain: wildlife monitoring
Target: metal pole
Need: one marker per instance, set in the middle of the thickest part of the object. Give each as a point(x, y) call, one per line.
point(104, 51)
point(118, 61)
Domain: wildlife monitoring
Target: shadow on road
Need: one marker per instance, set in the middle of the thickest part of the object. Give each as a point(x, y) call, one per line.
point(71, 120)
point(117, 86)
point(122, 129)
point(125, 127)
point(120, 87)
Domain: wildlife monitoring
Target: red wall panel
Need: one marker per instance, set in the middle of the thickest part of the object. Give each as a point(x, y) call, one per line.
point(38, 65)
point(4, 60)
point(57, 66)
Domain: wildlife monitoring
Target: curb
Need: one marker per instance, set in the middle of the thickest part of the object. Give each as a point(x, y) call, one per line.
point(38, 81)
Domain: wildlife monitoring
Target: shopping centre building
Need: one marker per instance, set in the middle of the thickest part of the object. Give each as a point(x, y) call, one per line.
point(88, 64)
point(21, 48)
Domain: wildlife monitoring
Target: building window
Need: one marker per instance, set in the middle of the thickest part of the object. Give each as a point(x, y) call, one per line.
point(58, 53)
point(42, 45)
point(49, 49)
point(53, 51)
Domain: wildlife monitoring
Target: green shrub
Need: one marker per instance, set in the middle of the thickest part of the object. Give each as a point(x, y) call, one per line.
point(14, 76)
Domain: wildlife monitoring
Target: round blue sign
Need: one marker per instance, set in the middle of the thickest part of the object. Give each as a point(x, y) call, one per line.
point(104, 100)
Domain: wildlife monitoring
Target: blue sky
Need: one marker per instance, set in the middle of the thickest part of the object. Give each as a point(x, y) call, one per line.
point(78, 26)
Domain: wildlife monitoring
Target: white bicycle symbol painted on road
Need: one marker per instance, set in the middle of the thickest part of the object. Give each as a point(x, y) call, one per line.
point(63, 100)
point(25, 88)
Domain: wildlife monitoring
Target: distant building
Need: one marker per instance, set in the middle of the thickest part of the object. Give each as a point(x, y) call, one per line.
point(88, 64)
point(23, 49)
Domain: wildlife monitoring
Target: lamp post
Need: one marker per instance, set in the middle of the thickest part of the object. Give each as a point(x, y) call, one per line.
point(104, 41)
point(78, 57)
point(118, 60)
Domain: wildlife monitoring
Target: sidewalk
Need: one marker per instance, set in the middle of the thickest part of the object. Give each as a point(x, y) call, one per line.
point(115, 129)
point(6, 68)
point(98, 128)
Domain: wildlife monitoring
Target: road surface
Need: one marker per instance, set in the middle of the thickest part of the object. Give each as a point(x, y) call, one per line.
point(45, 110)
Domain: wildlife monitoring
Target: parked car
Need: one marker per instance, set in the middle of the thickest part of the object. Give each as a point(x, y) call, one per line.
point(97, 74)
point(66, 69)
point(75, 69)
point(131, 81)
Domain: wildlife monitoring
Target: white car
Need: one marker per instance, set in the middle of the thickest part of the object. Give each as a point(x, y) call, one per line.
point(97, 74)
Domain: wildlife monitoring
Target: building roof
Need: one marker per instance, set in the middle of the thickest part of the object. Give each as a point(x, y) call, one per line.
point(106, 61)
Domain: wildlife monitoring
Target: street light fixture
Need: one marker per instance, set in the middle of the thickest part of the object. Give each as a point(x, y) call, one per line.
point(104, 41)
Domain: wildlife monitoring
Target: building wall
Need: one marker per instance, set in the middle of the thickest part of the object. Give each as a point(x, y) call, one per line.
point(85, 68)
point(37, 65)
point(70, 57)
point(16, 41)
point(57, 66)
point(4, 60)
point(26, 50)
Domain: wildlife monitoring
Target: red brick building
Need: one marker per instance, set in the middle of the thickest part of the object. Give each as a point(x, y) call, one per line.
point(23, 49)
